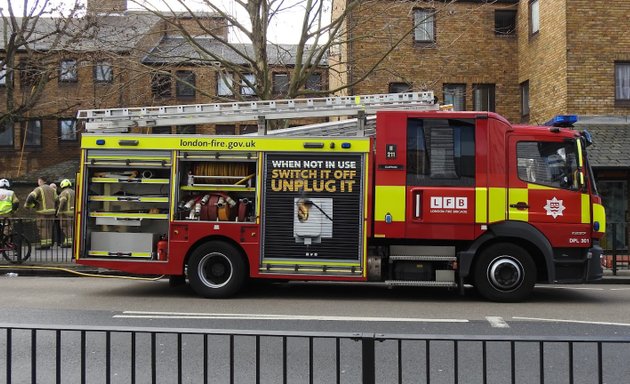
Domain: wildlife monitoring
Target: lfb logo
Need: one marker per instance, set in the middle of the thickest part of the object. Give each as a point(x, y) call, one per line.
point(441, 202)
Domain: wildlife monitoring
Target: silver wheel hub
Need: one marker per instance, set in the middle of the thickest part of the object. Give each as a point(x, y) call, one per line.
point(215, 270)
point(505, 273)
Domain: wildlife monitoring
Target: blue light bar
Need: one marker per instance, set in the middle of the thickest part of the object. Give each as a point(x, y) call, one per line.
point(562, 121)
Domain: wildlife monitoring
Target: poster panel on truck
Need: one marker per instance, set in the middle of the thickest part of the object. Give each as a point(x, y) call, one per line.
point(313, 207)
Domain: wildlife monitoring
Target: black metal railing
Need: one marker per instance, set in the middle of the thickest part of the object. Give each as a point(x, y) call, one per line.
point(66, 354)
point(616, 255)
point(57, 233)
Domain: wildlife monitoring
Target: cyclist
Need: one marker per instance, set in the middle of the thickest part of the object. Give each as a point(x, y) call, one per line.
point(8, 200)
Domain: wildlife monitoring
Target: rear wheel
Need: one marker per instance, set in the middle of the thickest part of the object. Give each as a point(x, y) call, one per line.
point(505, 272)
point(216, 269)
point(16, 248)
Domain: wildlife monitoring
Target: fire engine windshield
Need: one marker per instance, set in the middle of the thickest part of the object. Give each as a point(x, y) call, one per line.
point(553, 164)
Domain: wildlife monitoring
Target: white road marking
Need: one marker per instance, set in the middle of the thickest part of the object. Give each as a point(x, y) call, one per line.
point(572, 321)
point(497, 322)
point(247, 316)
point(575, 288)
point(619, 289)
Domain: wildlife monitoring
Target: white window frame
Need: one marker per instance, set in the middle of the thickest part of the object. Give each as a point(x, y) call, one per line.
point(225, 84)
point(246, 90)
point(68, 71)
point(622, 81)
point(3, 75)
point(103, 72)
point(525, 107)
point(424, 25)
point(455, 93)
point(534, 16)
point(68, 130)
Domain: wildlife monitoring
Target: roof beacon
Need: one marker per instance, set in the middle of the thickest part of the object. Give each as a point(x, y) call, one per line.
point(565, 121)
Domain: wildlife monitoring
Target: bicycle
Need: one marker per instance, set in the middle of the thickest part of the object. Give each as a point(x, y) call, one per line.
point(15, 247)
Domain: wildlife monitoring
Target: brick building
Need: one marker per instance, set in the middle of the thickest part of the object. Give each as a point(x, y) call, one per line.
point(528, 60)
point(121, 58)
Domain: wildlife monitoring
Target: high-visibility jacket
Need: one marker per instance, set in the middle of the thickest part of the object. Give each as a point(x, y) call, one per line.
point(43, 199)
point(66, 202)
point(7, 201)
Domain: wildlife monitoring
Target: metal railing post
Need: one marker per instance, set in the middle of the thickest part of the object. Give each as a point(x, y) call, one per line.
point(614, 248)
point(367, 358)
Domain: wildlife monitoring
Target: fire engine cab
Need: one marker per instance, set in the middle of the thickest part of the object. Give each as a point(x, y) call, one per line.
point(427, 197)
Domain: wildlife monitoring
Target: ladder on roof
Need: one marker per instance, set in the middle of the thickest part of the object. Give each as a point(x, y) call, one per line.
point(121, 119)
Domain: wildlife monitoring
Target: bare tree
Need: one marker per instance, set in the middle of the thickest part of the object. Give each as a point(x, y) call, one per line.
point(250, 64)
point(32, 42)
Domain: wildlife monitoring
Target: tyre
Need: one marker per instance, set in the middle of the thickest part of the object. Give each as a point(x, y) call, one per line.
point(505, 273)
point(16, 249)
point(216, 269)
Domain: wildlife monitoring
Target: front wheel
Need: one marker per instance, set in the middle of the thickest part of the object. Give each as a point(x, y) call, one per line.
point(216, 269)
point(16, 248)
point(505, 273)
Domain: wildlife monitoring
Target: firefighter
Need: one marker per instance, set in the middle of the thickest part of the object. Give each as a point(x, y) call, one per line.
point(43, 199)
point(65, 212)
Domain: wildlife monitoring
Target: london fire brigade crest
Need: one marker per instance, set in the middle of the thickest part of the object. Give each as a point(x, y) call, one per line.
point(554, 207)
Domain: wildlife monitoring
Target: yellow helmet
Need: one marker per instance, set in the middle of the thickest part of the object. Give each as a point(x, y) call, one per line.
point(65, 183)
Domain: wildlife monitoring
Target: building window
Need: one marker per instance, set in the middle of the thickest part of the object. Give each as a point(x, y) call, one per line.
point(504, 22)
point(455, 94)
point(161, 85)
point(68, 130)
point(622, 82)
point(314, 82)
point(33, 133)
point(534, 16)
point(3, 75)
point(185, 86)
point(245, 129)
point(30, 73)
point(103, 72)
point(224, 129)
point(280, 83)
point(186, 129)
point(483, 97)
point(399, 87)
point(424, 25)
point(68, 71)
point(161, 130)
point(248, 81)
point(525, 101)
point(6, 133)
point(441, 152)
point(225, 84)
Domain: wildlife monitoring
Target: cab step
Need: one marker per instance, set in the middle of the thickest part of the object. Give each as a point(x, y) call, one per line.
point(421, 258)
point(408, 283)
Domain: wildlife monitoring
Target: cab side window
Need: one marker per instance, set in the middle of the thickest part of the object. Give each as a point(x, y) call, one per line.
point(441, 152)
point(553, 164)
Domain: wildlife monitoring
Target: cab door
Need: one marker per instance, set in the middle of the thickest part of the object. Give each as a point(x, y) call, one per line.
point(440, 196)
point(546, 190)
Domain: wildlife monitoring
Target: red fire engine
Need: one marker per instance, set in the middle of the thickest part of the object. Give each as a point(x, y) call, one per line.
point(433, 198)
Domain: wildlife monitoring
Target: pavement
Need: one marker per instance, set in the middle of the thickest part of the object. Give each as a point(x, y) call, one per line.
point(622, 276)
